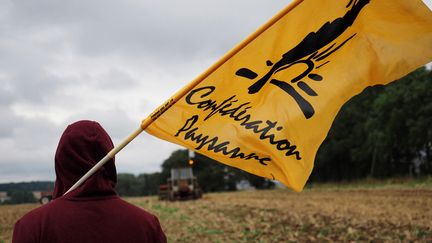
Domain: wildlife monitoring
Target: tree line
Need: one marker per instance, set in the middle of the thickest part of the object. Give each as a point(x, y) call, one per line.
point(22, 192)
point(383, 132)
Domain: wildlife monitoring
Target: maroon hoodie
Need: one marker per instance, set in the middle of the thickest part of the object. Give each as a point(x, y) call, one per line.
point(93, 212)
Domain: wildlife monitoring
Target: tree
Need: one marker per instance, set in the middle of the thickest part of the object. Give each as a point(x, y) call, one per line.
point(401, 118)
point(382, 132)
point(17, 197)
point(149, 183)
point(127, 185)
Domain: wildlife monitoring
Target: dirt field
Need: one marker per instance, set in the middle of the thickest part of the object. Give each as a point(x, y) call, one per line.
point(324, 214)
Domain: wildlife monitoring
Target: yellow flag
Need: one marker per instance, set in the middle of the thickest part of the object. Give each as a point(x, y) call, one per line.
point(267, 105)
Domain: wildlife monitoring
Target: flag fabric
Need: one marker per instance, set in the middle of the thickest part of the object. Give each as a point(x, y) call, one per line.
point(267, 106)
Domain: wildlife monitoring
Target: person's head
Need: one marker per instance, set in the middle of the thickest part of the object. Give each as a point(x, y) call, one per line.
point(81, 146)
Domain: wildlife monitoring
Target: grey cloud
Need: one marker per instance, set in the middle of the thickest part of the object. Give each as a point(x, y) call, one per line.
point(166, 31)
point(24, 66)
point(6, 96)
point(36, 134)
point(27, 171)
point(34, 86)
point(27, 154)
point(8, 121)
point(79, 57)
point(183, 30)
point(27, 167)
point(115, 121)
point(115, 79)
point(166, 36)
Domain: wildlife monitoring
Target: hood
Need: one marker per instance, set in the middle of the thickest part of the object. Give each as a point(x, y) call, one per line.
point(82, 145)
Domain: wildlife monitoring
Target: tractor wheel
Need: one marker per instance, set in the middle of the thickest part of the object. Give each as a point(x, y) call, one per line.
point(45, 200)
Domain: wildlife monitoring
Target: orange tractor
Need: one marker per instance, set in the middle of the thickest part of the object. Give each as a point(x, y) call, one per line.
point(182, 185)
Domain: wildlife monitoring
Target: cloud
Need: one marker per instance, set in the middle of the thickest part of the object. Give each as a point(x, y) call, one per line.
point(28, 151)
point(146, 29)
point(8, 121)
point(115, 121)
point(109, 61)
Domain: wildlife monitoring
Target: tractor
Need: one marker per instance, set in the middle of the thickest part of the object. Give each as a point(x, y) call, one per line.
point(182, 185)
point(46, 197)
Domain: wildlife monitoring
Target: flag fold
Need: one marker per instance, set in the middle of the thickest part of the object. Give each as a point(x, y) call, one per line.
point(269, 105)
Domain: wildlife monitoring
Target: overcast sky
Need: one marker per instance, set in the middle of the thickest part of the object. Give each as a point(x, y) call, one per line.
point(109, 61)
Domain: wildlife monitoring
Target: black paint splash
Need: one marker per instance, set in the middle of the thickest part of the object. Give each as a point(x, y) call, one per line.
point(307, 53)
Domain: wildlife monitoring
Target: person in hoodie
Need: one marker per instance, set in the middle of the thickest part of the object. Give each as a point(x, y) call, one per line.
point(93, 212)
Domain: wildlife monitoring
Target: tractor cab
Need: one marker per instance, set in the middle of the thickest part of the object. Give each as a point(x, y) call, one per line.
point(182, 185)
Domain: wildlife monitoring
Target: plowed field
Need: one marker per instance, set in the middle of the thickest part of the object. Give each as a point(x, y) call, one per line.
point(325, 214)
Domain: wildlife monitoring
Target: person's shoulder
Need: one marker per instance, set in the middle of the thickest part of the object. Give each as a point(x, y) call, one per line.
point(27, 228)
point(34, 213)
point(146, 220)
point(38, 214)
